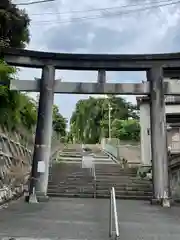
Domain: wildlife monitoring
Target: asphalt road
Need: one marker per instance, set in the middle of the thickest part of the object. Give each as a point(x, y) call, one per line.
point(72, 219)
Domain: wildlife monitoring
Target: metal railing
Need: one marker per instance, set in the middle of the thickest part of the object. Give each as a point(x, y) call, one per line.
point(113, 225)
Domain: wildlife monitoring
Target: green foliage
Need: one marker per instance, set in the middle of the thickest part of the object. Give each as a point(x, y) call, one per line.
point(90, 120)
point(126, 129)
point(15, 108)
point(13, 25)
point(7, 72)
point(18, 110)
point(59, 122)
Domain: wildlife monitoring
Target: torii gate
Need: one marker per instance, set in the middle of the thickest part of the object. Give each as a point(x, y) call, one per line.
point(157, 66)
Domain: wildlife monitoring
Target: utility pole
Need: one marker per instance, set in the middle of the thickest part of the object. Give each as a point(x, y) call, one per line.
point(109, 114)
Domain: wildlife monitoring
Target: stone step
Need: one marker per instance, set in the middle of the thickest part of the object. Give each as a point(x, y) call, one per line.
point(129, 193)
point(70, 157)
point(115, 169)
point(127, 185)
point(60, 165)
point(115, 175)
point(72, 190)
point(70, 178)
point(125, 197)
point(118, 173)
point(112, 166)
point(70, 183)
point(73, 176)
point(71, 195)
point(123, 187)
point(98, 195)
point(86, 174)
point(70, 162)
point(70, 171)
point(121, 179)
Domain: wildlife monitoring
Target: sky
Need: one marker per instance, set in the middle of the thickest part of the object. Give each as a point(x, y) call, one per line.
point(103, 26)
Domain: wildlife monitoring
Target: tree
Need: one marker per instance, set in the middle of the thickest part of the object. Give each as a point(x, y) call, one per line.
point(28, 111)
point(59, 122)
point(13, 33)
point(126, 129)
point(89, 121)
point(14, 25)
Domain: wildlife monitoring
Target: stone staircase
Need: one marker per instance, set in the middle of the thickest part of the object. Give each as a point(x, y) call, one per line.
point(70, 155)
point(67, 178)
point(70, 180)
point(126, 184)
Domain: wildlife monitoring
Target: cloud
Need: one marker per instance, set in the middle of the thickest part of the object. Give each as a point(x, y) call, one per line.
point(69, 38)
point(55, 27)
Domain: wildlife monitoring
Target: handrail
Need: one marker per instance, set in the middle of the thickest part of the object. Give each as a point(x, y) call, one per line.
point(113, 214)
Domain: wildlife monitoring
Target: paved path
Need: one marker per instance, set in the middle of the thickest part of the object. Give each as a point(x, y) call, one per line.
point(88, 219)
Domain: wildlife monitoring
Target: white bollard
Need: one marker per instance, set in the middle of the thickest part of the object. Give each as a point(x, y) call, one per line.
point(32, 197)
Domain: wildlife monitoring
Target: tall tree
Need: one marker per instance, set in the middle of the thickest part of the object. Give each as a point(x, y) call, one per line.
point(90, 120)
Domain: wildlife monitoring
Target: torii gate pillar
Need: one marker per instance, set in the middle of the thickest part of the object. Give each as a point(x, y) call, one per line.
point(42, 147)
point(158, 135)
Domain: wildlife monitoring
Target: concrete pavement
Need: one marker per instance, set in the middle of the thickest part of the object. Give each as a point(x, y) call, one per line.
point(82, 219)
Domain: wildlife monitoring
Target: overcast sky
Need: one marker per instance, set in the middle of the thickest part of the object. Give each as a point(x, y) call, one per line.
point(54, 27)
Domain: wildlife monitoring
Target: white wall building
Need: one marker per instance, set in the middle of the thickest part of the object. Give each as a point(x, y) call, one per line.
point(172, 109)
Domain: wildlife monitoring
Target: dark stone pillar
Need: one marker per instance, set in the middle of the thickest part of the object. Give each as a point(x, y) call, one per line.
point(42, 147)
point(158, 136)
point(101, 76)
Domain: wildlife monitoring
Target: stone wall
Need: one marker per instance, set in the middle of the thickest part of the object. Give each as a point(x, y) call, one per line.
point(15, 165)
point(174, 175)
point(127, 150)
point(15, 161)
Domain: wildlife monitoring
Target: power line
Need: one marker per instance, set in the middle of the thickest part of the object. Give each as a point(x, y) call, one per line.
point(34, 2)
point(99, 9)
point(110, 14)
